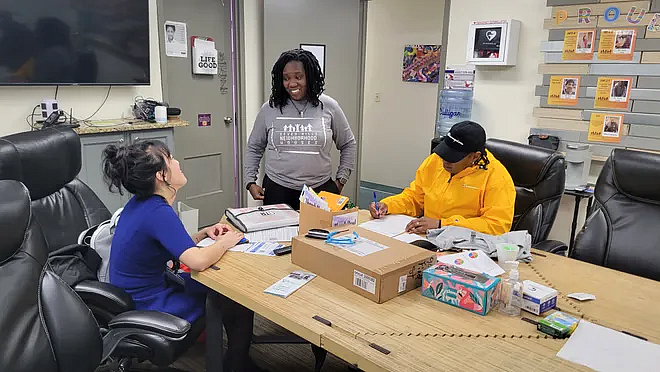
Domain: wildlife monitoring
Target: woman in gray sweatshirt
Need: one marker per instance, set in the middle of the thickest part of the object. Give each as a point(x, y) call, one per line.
point(295, 129)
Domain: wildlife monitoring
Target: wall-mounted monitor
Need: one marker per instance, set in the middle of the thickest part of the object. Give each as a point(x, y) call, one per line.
point(74, 42)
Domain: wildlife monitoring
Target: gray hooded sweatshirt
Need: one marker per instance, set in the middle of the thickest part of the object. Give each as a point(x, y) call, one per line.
point(298, 149)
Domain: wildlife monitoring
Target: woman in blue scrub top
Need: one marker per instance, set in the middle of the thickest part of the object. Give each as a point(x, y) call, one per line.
point(149, 234)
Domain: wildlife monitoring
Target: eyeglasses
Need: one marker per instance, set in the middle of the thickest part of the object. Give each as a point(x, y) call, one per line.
point(455, 140)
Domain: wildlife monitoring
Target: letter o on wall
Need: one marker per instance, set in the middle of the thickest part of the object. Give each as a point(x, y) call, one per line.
point(609, 17)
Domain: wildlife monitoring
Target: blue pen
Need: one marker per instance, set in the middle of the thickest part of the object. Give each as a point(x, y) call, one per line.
point(376, 203)
point(243, 241)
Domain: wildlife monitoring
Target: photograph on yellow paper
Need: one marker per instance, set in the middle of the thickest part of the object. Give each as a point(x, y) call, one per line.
point(579, 45)
point(605, 127)
point(613, 93)
point(564, 90)
point(617, 45)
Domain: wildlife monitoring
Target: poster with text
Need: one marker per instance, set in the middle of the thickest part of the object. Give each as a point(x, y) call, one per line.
point(176, 39)
point(564, 90)
point(613, 93)
point(617, 45)
point(579, 45)
point(605, 127)
point(421, 63)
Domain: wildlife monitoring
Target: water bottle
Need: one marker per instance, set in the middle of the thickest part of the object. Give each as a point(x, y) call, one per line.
point(455, 106)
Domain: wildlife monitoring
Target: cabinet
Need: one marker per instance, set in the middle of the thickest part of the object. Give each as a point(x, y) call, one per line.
point(93, 145)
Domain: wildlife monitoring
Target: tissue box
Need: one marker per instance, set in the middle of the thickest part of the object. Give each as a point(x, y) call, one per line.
point(460, 287)
point(538, 298)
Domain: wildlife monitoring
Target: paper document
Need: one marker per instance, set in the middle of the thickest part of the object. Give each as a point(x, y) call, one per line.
point(205, 242)
point(362, 247)
point(391, 225)
point(283, 234)
point(284, 287)
point(477, 261)
point(604, 349)
point(263, 248)
point(409, 238)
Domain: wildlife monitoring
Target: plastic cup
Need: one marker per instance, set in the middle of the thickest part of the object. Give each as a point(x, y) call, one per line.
point(506, 252)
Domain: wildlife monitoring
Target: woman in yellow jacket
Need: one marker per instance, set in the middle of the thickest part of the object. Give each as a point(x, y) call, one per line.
point(460, 184)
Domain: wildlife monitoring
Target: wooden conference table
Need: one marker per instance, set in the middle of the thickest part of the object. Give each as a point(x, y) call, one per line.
point(415, 333)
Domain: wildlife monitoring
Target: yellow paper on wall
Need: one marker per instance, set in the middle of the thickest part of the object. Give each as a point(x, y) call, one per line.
point(605, 127)
point(578, 45)
point(613, 93)
point(564, 90)
point(617, 45)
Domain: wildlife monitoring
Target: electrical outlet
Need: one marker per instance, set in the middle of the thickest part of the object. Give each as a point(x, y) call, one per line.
point(377, 97)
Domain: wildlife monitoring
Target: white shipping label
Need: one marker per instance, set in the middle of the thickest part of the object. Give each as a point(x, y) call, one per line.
point(364, 281)
point(402, 283)
point(345, 219)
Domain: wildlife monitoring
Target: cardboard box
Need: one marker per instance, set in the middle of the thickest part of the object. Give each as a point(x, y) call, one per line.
point(379, 270)
point(538, 298)
point(316, 218)
point(460, 287)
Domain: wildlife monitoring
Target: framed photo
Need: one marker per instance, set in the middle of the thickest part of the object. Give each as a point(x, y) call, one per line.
point(318, 50)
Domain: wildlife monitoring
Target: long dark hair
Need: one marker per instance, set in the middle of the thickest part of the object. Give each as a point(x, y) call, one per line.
point(134, 167)
point(315, 79)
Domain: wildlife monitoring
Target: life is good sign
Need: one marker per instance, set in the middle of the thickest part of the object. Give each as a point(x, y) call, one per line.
point(205, 61)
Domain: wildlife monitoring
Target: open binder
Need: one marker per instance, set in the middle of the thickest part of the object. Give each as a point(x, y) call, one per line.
point(262, 218)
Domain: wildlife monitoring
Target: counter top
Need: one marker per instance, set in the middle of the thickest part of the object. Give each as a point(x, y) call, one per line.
point(116, 126)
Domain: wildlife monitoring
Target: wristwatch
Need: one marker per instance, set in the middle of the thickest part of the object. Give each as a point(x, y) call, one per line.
point(249, 184)
point(342, 180)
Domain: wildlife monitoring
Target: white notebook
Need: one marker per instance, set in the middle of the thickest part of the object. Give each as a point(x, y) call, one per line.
point(262, 218)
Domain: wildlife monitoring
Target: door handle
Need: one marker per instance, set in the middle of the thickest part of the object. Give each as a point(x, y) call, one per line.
point(228, 120)
point(136, 140)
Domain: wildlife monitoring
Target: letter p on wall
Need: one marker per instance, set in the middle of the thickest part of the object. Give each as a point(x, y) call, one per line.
point(562, 15)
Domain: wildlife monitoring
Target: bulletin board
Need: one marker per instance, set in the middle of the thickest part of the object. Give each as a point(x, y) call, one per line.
point(601, 75)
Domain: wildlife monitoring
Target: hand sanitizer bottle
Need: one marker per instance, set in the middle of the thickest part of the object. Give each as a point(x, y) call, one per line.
point(511, 292)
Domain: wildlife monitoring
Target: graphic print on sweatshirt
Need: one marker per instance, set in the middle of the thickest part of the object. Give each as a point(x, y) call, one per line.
point(298, 135)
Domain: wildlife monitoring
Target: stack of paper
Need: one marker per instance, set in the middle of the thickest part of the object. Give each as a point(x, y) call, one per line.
point(262, 248)
point(283, 234)
point(605, 349)
point(309, 196)
point(390, 225)
point(477, 261)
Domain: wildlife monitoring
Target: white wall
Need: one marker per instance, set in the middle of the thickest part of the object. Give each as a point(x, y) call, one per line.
point(397, 130)
point(17, 102)
point(253, 61)
point(504, 96)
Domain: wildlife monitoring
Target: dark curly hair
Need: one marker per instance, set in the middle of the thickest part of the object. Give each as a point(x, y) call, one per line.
point(315, 79)
point(134, 167)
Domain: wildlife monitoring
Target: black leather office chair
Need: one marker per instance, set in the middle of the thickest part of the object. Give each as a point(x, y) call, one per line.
point(539, 177)
point(622, 231)
point(44, 325)
point(48, 162)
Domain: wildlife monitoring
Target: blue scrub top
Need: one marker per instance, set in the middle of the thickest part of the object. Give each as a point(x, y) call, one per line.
point(148, 235)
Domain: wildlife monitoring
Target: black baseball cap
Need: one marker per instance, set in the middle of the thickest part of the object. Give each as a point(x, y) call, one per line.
point(463, 138)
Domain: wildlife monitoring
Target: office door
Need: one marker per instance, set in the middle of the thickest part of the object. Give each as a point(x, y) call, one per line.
point(205, 152)
point(340, 26)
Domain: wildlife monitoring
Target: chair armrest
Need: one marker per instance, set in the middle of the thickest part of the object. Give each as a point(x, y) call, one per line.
point(552, 246)
point(152, 321)
point(104, 296)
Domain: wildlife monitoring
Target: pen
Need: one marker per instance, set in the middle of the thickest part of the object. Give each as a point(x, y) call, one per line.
point(376, 203)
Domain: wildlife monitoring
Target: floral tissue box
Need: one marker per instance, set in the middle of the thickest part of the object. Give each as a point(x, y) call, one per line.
point(462, 288)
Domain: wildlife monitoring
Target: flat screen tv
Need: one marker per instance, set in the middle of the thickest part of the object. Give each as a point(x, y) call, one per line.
point(74, 42)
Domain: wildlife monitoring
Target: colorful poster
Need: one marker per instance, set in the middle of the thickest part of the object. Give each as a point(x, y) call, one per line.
point(617, 45)
point(605, 127)
point(579, 45)
point(421, 63)
point(204, 120)
point(564, 90)
point(613, 93)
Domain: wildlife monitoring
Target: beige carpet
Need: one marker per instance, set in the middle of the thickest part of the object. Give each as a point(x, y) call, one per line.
point(273, 357)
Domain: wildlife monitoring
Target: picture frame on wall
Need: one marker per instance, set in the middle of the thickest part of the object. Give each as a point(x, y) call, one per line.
point(318, 50)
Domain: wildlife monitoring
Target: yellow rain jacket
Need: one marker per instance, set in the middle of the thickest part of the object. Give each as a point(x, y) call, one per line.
point(478, 199)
